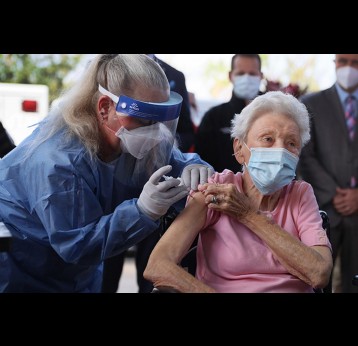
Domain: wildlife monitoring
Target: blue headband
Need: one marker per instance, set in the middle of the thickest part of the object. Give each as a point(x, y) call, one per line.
point(161, 111)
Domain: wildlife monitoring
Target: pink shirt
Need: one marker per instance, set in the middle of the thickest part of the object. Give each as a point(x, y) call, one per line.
point(231, 258)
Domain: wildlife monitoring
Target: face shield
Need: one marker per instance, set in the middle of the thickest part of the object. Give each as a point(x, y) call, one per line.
point(150, 144)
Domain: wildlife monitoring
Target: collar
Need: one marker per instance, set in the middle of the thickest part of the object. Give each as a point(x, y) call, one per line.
point(342, 94)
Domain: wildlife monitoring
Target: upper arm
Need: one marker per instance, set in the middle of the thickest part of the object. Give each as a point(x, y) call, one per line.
point(178, 238)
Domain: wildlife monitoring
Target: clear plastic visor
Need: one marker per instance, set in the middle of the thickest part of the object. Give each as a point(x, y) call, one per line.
point(152, 143)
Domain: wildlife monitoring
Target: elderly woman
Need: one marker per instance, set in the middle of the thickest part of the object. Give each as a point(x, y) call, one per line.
point(259, 230)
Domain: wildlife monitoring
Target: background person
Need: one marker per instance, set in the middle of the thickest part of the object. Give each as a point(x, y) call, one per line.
point(330, 164)
point(213, 142)
point(185, 129)
point(87, 183)
point(260, 230)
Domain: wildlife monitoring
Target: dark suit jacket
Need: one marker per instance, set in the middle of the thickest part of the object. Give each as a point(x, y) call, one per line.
point(329, 159)
point(185, 128)
point(213, 140)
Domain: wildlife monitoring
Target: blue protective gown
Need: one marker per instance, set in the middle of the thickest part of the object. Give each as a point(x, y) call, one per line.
point(67, 214)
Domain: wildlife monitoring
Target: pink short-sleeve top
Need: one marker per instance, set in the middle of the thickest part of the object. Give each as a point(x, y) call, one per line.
point(231, 258)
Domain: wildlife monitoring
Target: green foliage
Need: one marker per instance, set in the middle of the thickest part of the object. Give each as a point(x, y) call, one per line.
point(302, 73)
point(295, 69)
point(264, 59)
point(217, 73)
point(48, 69)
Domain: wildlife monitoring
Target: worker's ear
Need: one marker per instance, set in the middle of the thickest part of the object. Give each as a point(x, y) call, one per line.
point(104, 105)
point(238, 151)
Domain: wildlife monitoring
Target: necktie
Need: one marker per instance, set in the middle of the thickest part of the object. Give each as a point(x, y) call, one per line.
point(351, 115)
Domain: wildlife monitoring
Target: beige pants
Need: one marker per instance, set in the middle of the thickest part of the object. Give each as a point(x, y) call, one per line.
point(336, 275)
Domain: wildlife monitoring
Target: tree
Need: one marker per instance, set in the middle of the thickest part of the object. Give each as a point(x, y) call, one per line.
point(48, 69)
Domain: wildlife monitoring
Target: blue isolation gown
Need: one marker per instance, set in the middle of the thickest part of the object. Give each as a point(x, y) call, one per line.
point(67, 213)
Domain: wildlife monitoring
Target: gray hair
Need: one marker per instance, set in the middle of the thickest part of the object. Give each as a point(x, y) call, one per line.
point(76, 112)
point(272, 102)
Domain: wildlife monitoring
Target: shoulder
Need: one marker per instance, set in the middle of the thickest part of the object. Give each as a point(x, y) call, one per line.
point(168, 69)
point(226, 177)
point(300, 188)
point(318, 95)
point(218, 109)
point(56, 153)
point(298, 196)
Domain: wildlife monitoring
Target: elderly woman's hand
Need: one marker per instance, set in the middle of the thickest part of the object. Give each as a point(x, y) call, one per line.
point(227, 199)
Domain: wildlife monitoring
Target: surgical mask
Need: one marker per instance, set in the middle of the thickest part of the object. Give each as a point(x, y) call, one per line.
point(271, 168)
point(347, 77)
point(246, 86)
point(140, 141)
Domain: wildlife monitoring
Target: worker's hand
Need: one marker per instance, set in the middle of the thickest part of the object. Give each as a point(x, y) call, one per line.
point(196, 174)
point(157, 196)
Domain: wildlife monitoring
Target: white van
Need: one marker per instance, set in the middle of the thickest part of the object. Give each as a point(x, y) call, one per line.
point(22, 106)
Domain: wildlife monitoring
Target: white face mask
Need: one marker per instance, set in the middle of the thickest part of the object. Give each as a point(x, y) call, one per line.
point(347, 77)
point(246, 86)
point(140, 141)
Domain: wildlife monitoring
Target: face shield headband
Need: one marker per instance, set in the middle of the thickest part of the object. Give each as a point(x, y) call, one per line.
point(161, 111)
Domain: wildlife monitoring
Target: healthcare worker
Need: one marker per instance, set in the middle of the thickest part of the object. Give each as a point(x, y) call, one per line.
point(88, 183)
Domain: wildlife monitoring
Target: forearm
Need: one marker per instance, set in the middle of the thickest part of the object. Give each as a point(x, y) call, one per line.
point(300, 260)
point(165, 273)
point(163, 268)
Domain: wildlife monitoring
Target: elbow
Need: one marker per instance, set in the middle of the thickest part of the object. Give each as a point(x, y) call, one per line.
point(159, 272)
point(323, 276)
point(154, 271)
point(150, 271)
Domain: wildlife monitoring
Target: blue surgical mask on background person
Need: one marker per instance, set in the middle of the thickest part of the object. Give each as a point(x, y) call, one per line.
point(271, 168)
point(347, 76)
point(246, 87)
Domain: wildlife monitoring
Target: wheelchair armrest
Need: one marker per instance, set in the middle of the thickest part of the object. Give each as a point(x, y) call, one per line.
point(355, 280)
point(164, 289)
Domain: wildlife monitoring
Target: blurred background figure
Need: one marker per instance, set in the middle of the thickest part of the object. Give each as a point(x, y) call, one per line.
point(6, 143)
point(330, 164)
point(192, 101)
point(194, 112)
point(213, 142)
point(185, 129)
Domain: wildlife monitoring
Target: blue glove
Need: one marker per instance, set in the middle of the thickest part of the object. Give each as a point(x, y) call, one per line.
point(196, 174)
point(157, 196)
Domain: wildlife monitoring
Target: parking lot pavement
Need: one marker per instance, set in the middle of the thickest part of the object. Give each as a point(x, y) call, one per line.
point(128, 283)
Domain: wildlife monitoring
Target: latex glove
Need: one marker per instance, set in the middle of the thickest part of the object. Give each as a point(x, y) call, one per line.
point(196, 174)
point(157, 196)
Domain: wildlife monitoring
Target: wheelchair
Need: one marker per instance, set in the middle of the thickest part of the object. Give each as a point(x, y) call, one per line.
point(189, 261)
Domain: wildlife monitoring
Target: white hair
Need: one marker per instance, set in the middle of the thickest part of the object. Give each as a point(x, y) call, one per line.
point(275, 102)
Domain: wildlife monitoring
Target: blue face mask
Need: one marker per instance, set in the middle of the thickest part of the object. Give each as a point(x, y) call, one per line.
point(271, 168)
